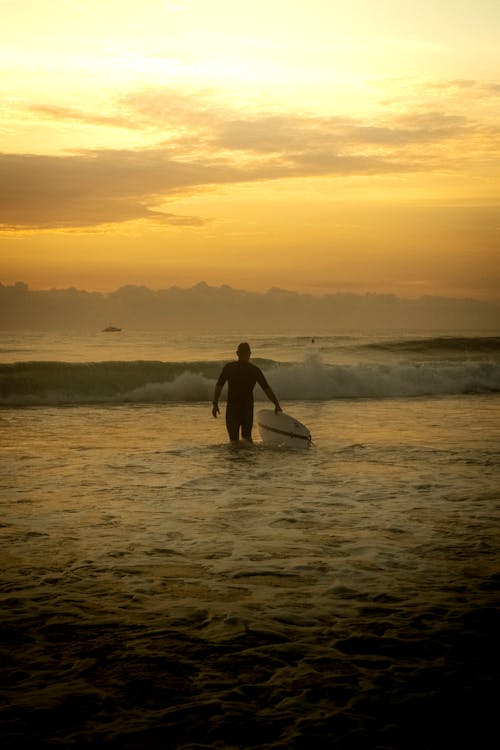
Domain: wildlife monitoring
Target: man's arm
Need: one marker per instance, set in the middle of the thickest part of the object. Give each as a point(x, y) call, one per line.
point(272, 397)
point(218, 390)
point(261, 379)
point(215, 402)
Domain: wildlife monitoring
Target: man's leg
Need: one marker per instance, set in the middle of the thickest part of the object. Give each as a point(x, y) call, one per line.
point(247, 422)
point(232, 424)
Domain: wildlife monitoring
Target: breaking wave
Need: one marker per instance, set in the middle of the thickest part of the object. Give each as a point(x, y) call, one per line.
point(59, 383)
point(433, 345)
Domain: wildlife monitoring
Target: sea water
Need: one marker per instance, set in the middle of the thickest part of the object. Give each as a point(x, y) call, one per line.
point(161, 589)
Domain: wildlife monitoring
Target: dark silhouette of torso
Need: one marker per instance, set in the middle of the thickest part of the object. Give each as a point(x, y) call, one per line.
point(241, 378)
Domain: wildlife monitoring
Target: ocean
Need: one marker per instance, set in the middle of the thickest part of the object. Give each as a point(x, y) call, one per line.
point(162, 589)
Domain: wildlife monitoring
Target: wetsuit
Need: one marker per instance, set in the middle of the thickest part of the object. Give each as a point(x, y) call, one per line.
point(241, 378)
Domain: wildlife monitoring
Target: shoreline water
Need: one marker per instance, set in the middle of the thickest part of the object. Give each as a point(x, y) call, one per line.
point(160, 590)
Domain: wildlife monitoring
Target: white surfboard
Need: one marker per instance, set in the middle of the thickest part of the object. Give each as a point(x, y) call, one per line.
point(282, 429)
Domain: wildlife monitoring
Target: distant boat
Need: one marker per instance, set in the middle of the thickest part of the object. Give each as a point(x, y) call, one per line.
point(111, 329)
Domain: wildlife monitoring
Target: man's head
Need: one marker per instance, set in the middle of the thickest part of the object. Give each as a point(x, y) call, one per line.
point(243, 351)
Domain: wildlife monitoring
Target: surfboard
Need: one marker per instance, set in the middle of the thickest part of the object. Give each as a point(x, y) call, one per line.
point(282, 429)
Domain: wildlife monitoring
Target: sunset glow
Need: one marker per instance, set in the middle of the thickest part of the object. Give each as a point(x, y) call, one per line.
point(317, 147)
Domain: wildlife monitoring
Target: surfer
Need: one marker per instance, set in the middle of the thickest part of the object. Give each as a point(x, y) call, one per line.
point(241, 377)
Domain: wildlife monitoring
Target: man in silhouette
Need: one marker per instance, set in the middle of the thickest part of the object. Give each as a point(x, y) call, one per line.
point(241, 377)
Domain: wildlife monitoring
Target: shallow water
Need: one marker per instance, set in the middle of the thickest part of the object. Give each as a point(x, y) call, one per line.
point(161, 589)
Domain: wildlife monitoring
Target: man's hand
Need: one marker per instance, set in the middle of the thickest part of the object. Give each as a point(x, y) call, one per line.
point(277, 409)
point(215, 409)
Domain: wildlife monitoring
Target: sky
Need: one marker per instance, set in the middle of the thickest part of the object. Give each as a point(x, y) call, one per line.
point(320, 147)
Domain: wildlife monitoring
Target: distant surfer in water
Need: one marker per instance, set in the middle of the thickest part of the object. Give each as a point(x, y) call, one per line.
point(241, 377)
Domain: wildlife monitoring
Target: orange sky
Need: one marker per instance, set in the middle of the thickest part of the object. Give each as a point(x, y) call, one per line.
point(311, 146)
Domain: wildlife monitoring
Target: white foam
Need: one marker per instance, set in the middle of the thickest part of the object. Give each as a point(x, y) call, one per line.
point(189, 386)
point(312, 379)
point(309, 380)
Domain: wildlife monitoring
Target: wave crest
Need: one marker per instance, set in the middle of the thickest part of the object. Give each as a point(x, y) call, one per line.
point(58, 383)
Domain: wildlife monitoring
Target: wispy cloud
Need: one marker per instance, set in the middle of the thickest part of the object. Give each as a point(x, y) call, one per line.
point(90, 188)
point(54, 112)
point(203, 141)
point(102, 187)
